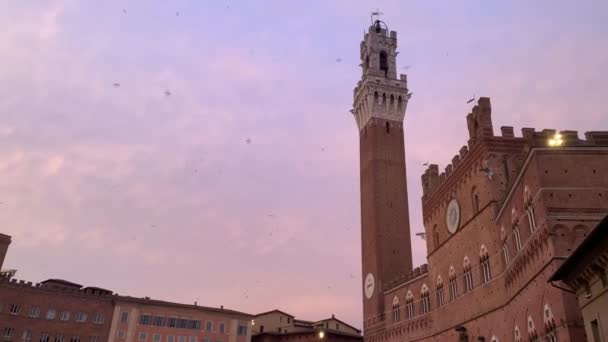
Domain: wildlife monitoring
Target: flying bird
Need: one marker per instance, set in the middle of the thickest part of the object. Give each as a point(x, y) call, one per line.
point(116, 85)
point(338, 59)
point(422, 235)
point(407, 67)
point(425, 164)
point(177, 14)
point(167, 93)
point(124, 10)
point(486, 170)
point(248, 141)
point(471, 100)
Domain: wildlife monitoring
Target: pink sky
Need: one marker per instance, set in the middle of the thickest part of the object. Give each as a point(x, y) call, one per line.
point(161, 196)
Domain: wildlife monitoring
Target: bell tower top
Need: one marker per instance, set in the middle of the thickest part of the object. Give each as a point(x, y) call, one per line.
point(379, 93)
point(378, 51)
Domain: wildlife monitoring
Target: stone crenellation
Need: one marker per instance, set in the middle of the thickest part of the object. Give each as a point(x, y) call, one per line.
point(6, 281)
point(406, 277)
point(432, 179)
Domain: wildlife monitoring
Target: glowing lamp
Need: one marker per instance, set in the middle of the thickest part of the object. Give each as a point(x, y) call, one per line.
point(556, 140)
point(321, 334)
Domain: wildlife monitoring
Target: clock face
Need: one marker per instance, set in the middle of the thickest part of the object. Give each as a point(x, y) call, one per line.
point(369, 285)
point(452, 216)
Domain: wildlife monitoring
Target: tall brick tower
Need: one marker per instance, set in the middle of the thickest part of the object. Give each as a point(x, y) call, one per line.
point(380, 100)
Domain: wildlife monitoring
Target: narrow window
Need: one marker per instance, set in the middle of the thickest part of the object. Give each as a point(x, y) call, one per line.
point(595, 330)
point(376, 96)
point(392, 102)
point(388, 127)
point(124, 317)
point(15, 308)
point(384, 62)
point(505, 168)
point(505, 254)
point(517, 237)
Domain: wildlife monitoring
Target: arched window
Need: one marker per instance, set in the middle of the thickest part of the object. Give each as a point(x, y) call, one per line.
point(367, 62)
point(505, 254)
point(396, 311)
point(550, 328)
point(383, 98)
point(516, 334)
point(475, 199)
point(529, 209)
point(392, 101)
point(425, 299)
point(399, 102)
point(376, 97)
point(484, 262)
point(384, 62)
point(452, 284)
point(494, 339)
point(505, 169)
point(440, 299)
point(468, 275)
point(532, 335)
point(409, 304)
point(436, 236)
point(517, 237)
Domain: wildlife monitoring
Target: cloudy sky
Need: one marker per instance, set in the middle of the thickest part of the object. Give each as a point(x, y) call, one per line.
point(241, 187)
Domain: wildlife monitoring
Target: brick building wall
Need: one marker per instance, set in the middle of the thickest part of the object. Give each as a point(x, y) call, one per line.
point(36, 312)
point(552, 197)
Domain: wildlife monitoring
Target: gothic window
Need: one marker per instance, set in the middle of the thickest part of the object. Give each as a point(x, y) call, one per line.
point(516, 334)
point(440, 299)
point(505, 167)
point(436, 236)
point(517, 237)
point(475, 199)
point(392, 100)
point(399, 102)
point(396, 311)
point(409, 304)
point(452, 284)
point(367, 62)
point(550, 328)
point(425, 302)
point(384, 62)
point(383, 98)
point(505, 254)
point(531, 220)
point(376, 97)
point(484, 261)
point(468, 275)
point(532, 335)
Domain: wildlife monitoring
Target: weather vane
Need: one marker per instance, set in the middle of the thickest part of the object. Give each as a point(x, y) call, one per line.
point(375, 13)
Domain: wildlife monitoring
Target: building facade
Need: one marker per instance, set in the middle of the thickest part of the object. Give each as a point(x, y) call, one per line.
point(276, 325)
point(586, 273)
point(498, 221)
point(56, 310)
point(145, 319)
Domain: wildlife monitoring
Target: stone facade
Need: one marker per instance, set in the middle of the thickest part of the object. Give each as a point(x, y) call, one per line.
point(520, 206)
point(145, 319)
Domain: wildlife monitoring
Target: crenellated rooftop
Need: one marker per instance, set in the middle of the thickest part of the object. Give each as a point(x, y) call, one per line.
point(479, 123)
point(404, 278)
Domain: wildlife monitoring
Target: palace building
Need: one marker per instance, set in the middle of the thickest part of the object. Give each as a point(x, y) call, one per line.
point(499, 220)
